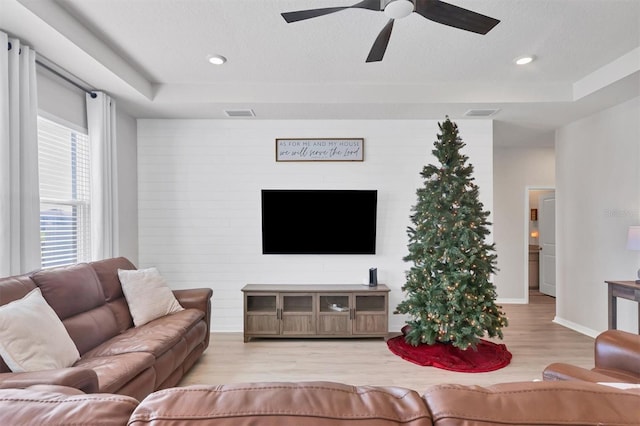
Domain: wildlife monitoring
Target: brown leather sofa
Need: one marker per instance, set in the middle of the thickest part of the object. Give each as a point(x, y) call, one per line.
point(325, 403)
point(616, 357)
point(116, 357)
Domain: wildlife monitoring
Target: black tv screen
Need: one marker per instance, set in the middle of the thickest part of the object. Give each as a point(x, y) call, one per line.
point(319, 221)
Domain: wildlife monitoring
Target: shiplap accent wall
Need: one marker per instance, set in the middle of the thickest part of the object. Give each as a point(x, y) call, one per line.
point(199, 185)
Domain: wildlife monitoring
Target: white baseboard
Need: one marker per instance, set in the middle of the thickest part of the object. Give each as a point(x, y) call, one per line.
point(576, 327)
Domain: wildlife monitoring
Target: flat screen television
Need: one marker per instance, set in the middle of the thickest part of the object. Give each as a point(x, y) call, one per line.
point(319, 221)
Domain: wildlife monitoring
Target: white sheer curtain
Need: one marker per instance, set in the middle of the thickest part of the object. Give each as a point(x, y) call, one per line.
point(101, 121)
point(19, 193)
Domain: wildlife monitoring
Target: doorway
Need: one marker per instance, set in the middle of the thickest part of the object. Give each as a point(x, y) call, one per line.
point(540, 243)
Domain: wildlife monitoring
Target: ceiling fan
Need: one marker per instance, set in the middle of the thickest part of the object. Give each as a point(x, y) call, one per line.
point(434, 10)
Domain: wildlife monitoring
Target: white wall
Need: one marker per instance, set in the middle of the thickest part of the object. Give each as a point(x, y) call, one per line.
point(199, 200)
point(515, 170)
point(598, 197)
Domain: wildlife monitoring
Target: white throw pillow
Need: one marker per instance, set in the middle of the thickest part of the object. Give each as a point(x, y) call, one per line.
point(32, 337)
point(148, 295)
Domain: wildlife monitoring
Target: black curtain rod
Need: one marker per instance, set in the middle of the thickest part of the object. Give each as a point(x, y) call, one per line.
point(67, 79)
point(62, 76)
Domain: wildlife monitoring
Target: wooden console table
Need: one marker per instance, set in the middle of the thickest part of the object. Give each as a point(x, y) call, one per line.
point(627, 290)
point(281, 310)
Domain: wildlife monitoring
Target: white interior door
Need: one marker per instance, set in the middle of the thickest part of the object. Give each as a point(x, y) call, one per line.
point(547, 229)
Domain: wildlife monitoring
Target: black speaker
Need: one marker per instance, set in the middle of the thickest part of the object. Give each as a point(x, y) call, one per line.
point(373, 277)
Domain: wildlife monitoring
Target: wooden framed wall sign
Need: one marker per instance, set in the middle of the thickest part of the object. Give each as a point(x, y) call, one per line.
point(334, 149)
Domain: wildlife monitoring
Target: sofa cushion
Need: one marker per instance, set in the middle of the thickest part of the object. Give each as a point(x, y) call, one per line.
point(70, 290)
point(58, 405)
point(155, 337)
point(304, 403)
point(91, 328)
point(115, 371)
point(32, 337)
point(148, 295)
point(107, 272)
point(14, 288)
point(76, 294)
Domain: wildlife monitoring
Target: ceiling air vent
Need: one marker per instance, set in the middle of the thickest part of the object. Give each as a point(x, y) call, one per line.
point(239, 113)
point(481, 112)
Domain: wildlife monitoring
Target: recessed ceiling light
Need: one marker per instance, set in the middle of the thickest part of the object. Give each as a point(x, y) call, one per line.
point(524, 60)
point(217, 59)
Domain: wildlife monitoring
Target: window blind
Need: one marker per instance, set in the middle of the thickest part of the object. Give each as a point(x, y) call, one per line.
point(63, 161)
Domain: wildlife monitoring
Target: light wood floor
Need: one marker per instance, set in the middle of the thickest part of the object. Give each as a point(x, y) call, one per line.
point(533, 339)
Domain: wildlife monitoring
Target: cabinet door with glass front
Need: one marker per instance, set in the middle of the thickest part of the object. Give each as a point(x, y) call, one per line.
point(297, 314)
point(370, 313)
point(334, 314)
point(261, 316)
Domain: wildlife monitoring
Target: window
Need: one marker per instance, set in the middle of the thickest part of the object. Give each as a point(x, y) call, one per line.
point(63, 161)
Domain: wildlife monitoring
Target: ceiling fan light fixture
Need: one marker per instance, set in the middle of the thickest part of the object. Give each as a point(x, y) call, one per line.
point(434, 10)
point(217, 59)
point(398, 9)
point(524, 60)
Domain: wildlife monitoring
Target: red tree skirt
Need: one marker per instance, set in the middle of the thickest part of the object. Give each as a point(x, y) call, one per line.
point(488, 356)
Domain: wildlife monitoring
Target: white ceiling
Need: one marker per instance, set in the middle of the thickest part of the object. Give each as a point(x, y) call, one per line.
point(152, 56)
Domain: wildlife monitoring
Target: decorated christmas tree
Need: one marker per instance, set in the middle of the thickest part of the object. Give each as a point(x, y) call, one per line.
point(449, 294)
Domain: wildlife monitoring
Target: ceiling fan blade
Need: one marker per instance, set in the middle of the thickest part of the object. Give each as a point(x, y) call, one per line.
point(380, 45)
point(301, 15)
point(454, 16)
point(368, 4)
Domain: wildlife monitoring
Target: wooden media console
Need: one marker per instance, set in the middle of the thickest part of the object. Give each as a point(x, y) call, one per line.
point(289, 310)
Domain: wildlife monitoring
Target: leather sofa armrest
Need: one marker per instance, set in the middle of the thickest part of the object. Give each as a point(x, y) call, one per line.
point(197, 298)
point(619, 351)
point(40, 405)
point(194, 298)
point(532, 403)
point(560, 371)
point(83, 379)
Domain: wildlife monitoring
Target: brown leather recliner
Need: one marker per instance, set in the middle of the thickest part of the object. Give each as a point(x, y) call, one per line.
point(616, 356)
